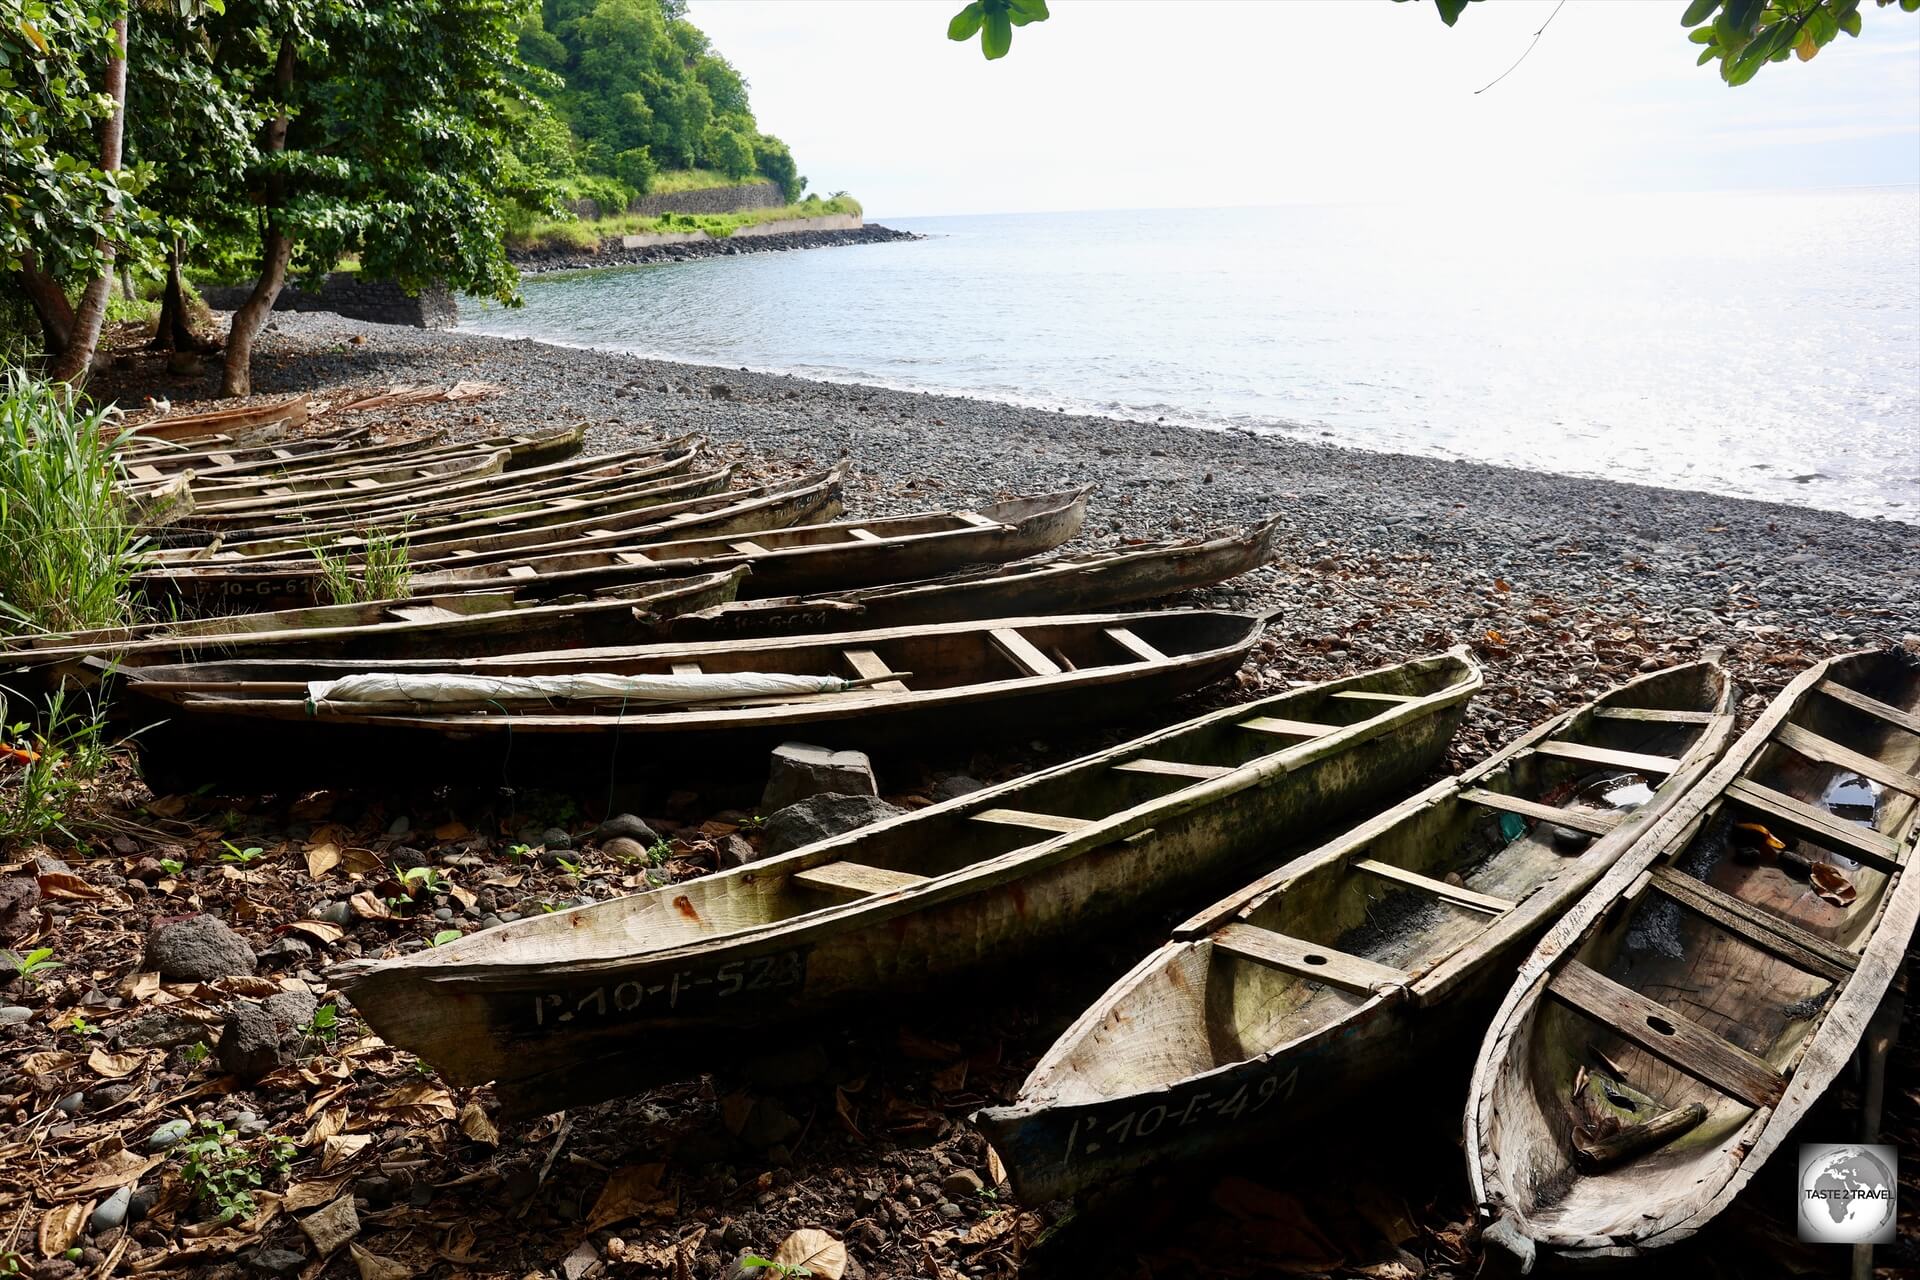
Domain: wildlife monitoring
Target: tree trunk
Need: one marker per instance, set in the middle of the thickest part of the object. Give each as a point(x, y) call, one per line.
point(84, 337)
point(175, 332)
point(276, 246)
point(49, 303)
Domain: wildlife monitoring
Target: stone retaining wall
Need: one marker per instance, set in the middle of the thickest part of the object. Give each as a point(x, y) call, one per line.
point(778, 227)
point(346, 293)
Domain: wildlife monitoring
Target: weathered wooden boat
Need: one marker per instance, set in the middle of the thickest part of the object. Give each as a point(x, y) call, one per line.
point(589, 1003)
point(529, 499)
point(253, 718)
point(146, 461)
point(1331, 971)
point(237, 423)
point(356, 447)
point(269, 583)
point(1100, 580)
point(453, 626)
point(849, 553)
point(241, 478)
point(273, 499)
point(1664, 1039)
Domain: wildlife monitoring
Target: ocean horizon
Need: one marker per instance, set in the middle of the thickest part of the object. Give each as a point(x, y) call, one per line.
point(1662, 339)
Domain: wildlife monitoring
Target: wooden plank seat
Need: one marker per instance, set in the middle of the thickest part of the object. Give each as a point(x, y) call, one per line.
point(686, 668)
point(746, 547)
point(1453, 893)
point(522, 571)
point(1593, 822)
point(856, 878)
point(633, 557)
point(1586, 753)
point(1872, 706)
point(1653, 715)
point(1826, 751)
point(977, 520)
point(1173, 769)
point(864, 535)
point(1770, 933)
point(1863, 844)
point(869, 665)
point(1023, 653)
point(1669, 1036)
point(1057, 823)
point(1133, 644)
point(1292, 728)
point(1370, 695)
point(424, 613)
point(1308, 960)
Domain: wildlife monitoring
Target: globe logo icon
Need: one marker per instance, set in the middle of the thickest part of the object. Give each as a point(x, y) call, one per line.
point(1847, 1194)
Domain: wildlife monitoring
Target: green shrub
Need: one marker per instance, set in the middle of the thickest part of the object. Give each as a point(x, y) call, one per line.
point(636, 168)
point(67, 750)
point(381, 573)
point(70, 543)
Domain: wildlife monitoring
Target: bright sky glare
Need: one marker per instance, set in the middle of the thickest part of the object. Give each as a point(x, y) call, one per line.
point(1138, 104)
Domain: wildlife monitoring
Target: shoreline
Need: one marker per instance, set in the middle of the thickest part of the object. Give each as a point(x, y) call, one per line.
point(541, 262)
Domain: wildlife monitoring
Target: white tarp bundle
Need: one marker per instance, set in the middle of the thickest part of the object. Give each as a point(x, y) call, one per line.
point(401, 692)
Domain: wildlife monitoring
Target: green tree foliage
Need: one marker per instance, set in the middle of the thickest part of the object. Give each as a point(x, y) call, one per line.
point(993, 21)
point(645, 91)
point(1745, 35)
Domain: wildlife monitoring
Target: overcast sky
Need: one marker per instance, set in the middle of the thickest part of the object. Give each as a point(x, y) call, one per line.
point(1147, 103)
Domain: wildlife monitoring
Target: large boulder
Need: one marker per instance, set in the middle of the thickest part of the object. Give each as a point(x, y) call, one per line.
point(800, 771)
point(197, 950)
point(818, 817)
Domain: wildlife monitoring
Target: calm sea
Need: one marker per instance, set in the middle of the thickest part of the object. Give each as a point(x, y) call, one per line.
point(1757, 345)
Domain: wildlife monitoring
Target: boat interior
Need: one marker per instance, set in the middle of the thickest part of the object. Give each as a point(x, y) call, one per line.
point(1373, 913)
point(911, 852)
point(1722, 961)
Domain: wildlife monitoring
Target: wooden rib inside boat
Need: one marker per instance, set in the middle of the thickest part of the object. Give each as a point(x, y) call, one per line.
point(548, 1005)
point(227, 718)
point(1331, 971)
point(1672, 1029)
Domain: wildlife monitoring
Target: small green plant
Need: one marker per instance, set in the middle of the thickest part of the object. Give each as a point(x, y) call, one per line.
point(172, 866)
point(753, 822)
point(658, 852)
point(41, 780)
point(222, 1173)
point(518, 851)
point(381, 571)
point(34, 965)
point(754, 1260)
point(324, 1027)
point(422, 879)
point(230, 820)
point(81, 1027)
point(239, 856)
point(568, 868)
point(196, 1053)
point(445, 936)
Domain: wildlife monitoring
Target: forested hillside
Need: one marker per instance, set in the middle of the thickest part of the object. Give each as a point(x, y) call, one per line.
point(638, 91)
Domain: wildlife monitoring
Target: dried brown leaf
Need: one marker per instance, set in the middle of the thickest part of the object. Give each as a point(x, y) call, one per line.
point(633, 1192)
point(475, 1124)
point(815, 1250)
point(374, 1267)
point(47, 1061)
point(308, 1195)
point(110, 1173)
point(322, 858)
point(451, 831)
point(60, 1227)
point(1832, 884)
point(114, 1066)
point(64, 884)
point(342, 1147)
point(420, 1101)
point(324, 932)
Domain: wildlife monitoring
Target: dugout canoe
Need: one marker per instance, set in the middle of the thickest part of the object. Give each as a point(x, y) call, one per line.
point(848, 553)
point(1328, 973)
point(252, 718)
point(462, 509)
point(1101, 580)
point(228, 587)
point(161, 459)
point(585, 1004)
point(1664, 1039)
point(236, 424)
point(454, 626)
point(357, 447)
point(292, 497)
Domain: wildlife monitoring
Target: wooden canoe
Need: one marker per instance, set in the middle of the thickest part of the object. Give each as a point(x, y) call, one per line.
point(235, 424)
point(454, 626)
point(229, 719)
point(347, 449)
point(585, 1004)
point(1321, 977)
point(848, 553)
point(523, 453)
point(1705, 993)
point(1101, 580)
point(228, 587)
point(145, 461)
point(530, 499)
point(277, 498)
